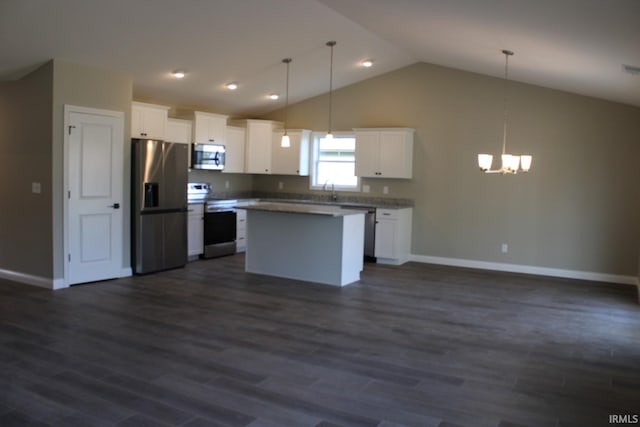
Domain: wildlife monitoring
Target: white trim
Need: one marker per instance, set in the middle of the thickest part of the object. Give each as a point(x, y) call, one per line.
point(68, 109)
point(44, 282)
point(30, 279)
point(314, 140)
point(528, 269)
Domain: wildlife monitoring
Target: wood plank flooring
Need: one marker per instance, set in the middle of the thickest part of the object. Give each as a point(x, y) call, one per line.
point(416, 345)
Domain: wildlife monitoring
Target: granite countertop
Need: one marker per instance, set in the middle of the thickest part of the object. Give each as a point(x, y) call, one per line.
point(300, 199)
point(301, 208)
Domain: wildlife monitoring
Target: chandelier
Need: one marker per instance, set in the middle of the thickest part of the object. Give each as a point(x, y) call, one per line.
point(511, 164)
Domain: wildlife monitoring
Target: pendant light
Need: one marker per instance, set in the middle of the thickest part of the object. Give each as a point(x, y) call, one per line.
point(511, 164)
point(331, 44)
point(286, 142)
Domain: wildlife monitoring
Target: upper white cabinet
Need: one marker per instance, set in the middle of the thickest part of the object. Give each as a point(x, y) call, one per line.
point(292, 160)
point(148, 120)
point(384, 152)
point(209, 127)
point(178, 130)
point(258, 144)
point(234, 149)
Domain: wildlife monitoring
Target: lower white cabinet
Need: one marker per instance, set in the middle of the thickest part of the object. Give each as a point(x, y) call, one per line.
point(241, 230)
point(195, 229)
point(393, 235)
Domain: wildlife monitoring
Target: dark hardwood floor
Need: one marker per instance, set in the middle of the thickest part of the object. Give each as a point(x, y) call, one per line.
point(417, 345)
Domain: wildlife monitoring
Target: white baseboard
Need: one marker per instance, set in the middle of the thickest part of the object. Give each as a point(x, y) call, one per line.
point(528, 269)
point(44, 282)
point(29, 279)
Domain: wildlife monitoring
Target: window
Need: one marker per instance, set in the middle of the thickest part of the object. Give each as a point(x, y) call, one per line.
point(334, 160)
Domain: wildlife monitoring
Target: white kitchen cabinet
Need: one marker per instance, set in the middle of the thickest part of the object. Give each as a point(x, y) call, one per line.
point(292, 160)
point(178, 130)
point(209, 128)
point(393, 235)
point(148, 120)
point(234, 149)
point(241, 230)
point(258, 141)
point(195, 229)
point(384, 152)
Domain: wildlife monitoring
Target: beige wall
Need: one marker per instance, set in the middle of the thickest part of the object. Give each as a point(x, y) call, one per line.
point(25, 157)
point(577, 208)
point(236, 182)
point(85, 86)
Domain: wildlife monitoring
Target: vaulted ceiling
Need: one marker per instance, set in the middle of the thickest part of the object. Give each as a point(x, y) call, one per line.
point(580, 46)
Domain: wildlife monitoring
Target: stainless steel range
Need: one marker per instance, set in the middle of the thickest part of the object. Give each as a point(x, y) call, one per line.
point(219, 221)
point(219, 228)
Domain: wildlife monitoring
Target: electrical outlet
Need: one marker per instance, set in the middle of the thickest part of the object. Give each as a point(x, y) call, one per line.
point(385, 190)
point(280, 185)
point(504, 248)
point(36, 188)
point(226, 184)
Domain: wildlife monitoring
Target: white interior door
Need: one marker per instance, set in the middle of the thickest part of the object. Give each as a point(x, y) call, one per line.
point(95, 179)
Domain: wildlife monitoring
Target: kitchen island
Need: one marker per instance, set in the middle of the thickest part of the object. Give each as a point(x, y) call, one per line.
point(314, 243)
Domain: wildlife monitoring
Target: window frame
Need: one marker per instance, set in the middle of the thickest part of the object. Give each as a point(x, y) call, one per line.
point(315, 146)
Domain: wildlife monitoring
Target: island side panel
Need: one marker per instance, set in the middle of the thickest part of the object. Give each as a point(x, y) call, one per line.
point(352, 248)
point(296, 246)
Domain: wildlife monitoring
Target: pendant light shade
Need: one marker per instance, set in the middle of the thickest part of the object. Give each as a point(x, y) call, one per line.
point(511, 164)
point(285, 142)
point(331, 44)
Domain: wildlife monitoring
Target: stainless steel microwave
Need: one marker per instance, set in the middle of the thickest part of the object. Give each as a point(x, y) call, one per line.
point(207, 156)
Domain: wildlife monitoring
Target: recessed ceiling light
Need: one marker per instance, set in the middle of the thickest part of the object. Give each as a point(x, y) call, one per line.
point(274, 96)
point(178, 74)
point(232, 86)
point(367, 63)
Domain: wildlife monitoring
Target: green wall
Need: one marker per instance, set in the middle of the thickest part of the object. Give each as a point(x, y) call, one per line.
point(577, 208)
point(91, 87)
point(26, 124)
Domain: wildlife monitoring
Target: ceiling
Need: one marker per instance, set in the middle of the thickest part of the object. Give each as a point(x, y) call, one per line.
point(578, 46)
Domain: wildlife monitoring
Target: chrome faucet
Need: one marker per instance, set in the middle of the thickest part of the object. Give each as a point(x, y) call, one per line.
point(334, 196)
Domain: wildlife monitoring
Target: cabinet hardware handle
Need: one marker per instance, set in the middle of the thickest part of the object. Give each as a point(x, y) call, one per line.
point(114, 206)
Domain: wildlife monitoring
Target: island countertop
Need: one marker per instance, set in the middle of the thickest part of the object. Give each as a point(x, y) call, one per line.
point(301, 208)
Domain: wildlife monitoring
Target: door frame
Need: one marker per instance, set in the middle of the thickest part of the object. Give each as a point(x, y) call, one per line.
point(120, 117)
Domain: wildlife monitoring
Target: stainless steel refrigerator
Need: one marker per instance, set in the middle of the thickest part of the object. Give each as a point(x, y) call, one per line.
point(159, 205)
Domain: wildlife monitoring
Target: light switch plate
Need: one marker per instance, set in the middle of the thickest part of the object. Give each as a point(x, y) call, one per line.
point(366, 188)
point(36, 188)
point(385, 190)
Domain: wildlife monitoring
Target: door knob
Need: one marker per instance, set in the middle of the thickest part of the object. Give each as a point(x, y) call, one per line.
point(114, 206)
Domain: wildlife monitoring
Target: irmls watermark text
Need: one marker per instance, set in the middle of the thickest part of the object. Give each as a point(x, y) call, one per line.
point(624, 419)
